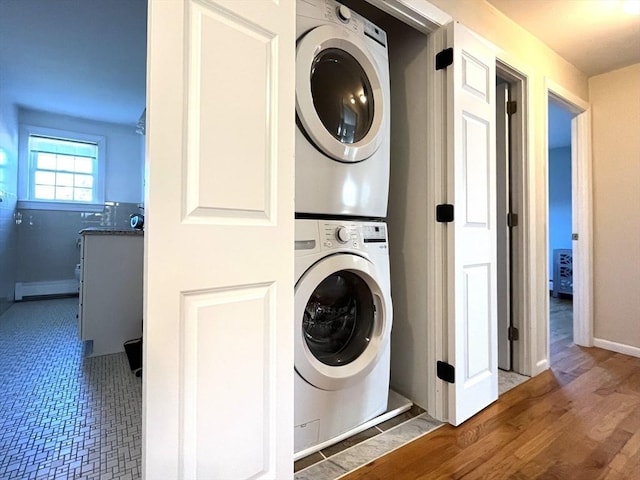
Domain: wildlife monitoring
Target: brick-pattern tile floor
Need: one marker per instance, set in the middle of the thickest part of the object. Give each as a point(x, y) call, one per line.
point(64, 416)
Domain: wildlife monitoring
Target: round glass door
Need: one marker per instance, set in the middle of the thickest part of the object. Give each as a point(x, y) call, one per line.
point(338, 320)
point(341, 327)
point(341, 95)
point(340, 101)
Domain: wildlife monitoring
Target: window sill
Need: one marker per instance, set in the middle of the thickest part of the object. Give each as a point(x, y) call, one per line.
point(70, 207)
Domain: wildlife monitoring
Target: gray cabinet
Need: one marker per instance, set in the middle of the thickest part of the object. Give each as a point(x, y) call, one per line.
point(110, 310)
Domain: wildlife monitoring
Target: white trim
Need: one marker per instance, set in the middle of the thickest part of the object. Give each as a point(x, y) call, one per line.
point(524, 237)
point(617, 347)
point(540, 367)
point(51, 287)
point(570, 100)
point(419, 14)
point(582, 210)
point(437, 393)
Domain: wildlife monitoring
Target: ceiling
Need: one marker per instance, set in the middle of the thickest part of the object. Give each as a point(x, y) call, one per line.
point(87, 58)
point(84, 58)
point(596, 36)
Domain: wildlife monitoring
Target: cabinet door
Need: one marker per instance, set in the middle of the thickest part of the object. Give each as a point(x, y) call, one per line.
point(81, 334)
point(111, 291)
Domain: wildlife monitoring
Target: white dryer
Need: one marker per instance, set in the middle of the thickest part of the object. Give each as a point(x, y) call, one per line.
point(343, 317)
point(342, 112)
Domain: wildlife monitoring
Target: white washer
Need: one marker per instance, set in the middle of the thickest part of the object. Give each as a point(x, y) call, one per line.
point(342, 112)
point(343, 317)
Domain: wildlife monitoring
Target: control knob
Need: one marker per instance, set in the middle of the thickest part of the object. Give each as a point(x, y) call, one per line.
point(344, 13)
point(342, 234)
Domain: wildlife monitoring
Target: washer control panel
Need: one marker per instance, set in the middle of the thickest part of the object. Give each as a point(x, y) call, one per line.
point(374, 233)
point(338, 235)
point(347, 234)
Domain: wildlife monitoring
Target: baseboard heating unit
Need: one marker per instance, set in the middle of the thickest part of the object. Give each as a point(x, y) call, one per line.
point(42, 289)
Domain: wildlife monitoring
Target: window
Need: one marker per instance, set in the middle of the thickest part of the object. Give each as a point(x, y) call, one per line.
point(63, 170)
point(60, 169)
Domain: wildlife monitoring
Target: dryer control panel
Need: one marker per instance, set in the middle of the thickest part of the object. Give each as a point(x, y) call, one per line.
point(336, 12)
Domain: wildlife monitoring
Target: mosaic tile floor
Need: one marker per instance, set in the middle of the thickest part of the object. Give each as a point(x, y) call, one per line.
point(64, 416)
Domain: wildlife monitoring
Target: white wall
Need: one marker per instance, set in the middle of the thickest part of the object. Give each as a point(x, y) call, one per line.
point(615, 101)
point(528, 55)
point(124, 154)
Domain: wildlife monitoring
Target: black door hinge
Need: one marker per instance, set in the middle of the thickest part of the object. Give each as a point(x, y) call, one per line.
point(444, 213)
point(444, 58)
point(446, 372)
point(512, 107)
point(513, 334)
point(512, 220)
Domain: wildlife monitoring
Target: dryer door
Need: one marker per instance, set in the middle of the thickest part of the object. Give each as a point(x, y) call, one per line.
point(339, 95)
point(342, 321)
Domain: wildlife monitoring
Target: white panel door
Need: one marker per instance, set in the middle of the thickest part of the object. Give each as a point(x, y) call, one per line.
point(218, 323)
point(471, 238)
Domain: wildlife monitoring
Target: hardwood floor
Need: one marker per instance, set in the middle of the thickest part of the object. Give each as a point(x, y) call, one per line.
point(578, 420)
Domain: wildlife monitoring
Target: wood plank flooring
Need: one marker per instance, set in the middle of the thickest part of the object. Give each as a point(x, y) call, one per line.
point(578, 420)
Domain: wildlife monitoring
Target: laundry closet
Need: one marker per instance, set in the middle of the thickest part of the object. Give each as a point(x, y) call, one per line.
point(407, 219)
point(442, 166)
point(363, 119)
point(251, 226)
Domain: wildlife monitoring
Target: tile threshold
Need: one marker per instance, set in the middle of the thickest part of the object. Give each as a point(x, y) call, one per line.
point(356, 456)
point(397, 406)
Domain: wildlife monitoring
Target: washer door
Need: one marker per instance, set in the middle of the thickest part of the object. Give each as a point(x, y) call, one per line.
point(341, 326)
point(339, 94)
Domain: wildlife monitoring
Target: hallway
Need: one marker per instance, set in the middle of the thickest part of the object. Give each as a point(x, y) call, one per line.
point(578, 420)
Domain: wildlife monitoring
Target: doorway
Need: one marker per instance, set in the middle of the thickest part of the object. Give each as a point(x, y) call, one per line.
point(560, 251)
point(581, 210)
point(511, 216)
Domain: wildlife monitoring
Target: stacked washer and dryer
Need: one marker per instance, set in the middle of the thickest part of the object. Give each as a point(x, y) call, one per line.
point(342, 294)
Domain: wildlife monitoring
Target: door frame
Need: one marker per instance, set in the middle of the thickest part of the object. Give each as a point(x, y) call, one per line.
point(427, 19)
point(523, 240)
point(581, 207)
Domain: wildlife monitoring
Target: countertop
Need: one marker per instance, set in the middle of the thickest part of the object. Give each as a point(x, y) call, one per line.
point(110, 231)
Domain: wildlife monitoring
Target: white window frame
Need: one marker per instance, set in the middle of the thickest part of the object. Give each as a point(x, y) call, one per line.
point(25, 170)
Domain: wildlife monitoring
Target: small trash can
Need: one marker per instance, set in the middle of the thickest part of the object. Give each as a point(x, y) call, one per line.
point(133, 349)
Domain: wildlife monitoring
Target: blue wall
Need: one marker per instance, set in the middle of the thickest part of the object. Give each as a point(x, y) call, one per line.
point(47, 239)
point(559, 201)
point(559, 137)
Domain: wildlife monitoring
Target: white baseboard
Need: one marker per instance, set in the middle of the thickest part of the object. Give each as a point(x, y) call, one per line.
point(617, 347)
point(52, 287)
point(540, 367)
